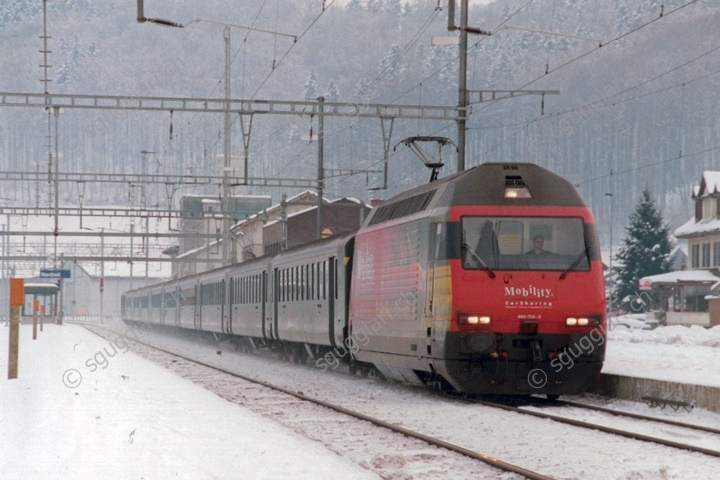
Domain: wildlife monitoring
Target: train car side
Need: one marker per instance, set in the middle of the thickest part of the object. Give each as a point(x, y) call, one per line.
point(295, 300)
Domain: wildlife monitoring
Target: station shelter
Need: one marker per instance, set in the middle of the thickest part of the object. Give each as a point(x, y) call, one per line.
point(40, 297)
point(684, 297)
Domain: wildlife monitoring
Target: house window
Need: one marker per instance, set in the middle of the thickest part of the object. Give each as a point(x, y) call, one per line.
point(695, 254)
point(709, 208)
point(706, 255)
point(716, 254)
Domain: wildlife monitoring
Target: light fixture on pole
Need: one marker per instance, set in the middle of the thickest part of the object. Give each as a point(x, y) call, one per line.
point(612, 282)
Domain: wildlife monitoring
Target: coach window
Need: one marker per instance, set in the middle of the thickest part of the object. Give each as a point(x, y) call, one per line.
point(436, 241)
point(312, 281)
point(293, 284)
point(253, 289)
point(324, 280)
point(281, 288)
point(304, 283)
point(282, 285)
point(187, 297)
point(297, 283)
point(170, 300)
point(301, 284)
point(286, 285)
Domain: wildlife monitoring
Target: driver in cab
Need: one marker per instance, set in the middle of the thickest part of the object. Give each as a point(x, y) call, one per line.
point(538, 244)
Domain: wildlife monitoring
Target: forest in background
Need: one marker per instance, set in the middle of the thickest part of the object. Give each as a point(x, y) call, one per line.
point(639, 112)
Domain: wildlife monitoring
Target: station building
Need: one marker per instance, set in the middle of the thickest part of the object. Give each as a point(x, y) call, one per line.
point(692, 296)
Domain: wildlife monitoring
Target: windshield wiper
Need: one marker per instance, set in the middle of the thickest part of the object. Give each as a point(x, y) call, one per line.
point(478, 259)
point(575, 262)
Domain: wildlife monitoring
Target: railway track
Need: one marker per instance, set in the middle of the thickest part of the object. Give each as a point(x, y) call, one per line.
point(638, 416)
point(410, 454)
point(535, 407)
point(535, 443)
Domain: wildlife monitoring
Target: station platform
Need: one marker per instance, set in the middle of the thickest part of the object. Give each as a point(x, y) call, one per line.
point(634, 389)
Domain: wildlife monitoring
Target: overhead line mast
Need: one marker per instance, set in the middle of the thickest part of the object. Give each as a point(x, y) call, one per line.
point(463, 103)
point(463, 93)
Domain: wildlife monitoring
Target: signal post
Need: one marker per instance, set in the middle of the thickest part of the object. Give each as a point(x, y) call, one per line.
point(17, 298)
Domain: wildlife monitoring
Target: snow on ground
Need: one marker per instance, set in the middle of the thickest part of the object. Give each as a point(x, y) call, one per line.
point(673, 353)
point(128, 418)
point(131, 419)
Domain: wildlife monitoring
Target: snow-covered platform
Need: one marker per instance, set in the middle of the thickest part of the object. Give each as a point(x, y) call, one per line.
point(85, 408)
point(675, 362)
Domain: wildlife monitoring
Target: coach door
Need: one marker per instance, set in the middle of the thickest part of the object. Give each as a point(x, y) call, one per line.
point(178, 306)
point(197, 319)
point(263, 299)
point(230, 298)
point(271, 317)
point(225, 324)
point(332, 296)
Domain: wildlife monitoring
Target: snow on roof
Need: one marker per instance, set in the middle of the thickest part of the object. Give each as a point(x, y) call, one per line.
point(195, 251)
point(711, 182)
point(690, 227)
point(205, 195)
point(351, 200)
point(703, 276)
point(314, 207)
point(277, 206)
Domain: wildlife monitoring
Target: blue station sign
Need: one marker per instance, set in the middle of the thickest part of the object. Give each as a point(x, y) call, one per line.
point(48, 273)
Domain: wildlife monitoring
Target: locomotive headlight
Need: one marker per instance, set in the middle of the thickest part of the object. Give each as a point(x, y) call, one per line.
point(474, 319)
point(517, 192)
point(577, 321)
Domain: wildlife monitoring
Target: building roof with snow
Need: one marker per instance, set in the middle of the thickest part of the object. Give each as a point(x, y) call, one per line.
point(706, 219)
point(709, 184)
point(703, 277)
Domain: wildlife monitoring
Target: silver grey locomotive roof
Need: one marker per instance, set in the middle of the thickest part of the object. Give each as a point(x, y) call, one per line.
point(485, 184)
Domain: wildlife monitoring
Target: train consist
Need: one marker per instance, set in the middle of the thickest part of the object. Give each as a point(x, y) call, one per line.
point(488, 281)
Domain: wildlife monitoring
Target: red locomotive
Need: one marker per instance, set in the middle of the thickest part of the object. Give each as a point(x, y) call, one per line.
point(488, 281)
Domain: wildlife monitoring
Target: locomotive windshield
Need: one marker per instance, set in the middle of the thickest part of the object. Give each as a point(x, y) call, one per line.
point(524, 243)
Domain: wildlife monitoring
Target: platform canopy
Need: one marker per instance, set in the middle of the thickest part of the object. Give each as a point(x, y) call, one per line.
point(682, 277)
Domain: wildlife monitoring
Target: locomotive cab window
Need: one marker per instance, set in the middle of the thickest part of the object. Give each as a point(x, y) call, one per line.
point(524, 243)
